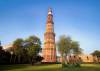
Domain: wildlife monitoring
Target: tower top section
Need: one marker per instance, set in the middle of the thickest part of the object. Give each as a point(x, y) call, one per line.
point(50, 16)
point(49, 11)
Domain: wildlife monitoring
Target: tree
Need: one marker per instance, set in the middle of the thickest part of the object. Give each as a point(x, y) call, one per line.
point(1, 48)
point(22, 51)
point(76, 50)
point(33, 46)
point(4, 56)
point(66, 46)
point(25, 51)
point(76, 47)
point(97, 54)
point(18, 48)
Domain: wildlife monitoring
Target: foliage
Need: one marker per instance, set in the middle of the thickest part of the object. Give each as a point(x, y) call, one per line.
point(76, 47)
point(66, 47)
point(33, 46)
point(64, 44)
point(4, 56)
point(96, 53)
point(23, 51)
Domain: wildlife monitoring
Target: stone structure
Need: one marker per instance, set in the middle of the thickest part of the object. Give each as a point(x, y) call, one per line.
point(85, 58)
point(7, 46)
point(49, 49)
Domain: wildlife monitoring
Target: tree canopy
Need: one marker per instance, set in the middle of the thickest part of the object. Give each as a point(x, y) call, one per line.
point(96, 53)
point(27, 49)
point(67, 46)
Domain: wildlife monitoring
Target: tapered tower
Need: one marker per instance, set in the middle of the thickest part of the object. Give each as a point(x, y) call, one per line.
point(49, 49)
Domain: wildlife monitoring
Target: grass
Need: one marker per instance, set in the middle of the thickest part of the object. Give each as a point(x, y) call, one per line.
point(49, 67)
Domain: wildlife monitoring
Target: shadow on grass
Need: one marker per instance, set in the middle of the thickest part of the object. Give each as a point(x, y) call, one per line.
point(11, 67)
point(28, 67)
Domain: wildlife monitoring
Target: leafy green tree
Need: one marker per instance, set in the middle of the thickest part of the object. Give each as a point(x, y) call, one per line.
point(67, 46)
point(27, 50)
point(76, 47)
point(23, 51)
point(18, 48)
point(64, 45)
point(4, 56)
point(96, 53)
point(33, 46)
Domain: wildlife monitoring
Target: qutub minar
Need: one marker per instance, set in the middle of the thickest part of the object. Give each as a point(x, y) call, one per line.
point(49, 49)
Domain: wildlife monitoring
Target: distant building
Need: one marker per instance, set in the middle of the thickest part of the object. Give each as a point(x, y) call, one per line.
point(84, 58)
point(7, 46)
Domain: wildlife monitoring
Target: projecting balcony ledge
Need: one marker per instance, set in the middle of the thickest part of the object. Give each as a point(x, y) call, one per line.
point(49, 33)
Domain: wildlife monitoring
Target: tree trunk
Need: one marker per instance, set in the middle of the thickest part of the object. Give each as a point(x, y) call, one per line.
point(63, 60)
point(11, 59)
point(66, 60)
point(14, 59)
point(19, 59)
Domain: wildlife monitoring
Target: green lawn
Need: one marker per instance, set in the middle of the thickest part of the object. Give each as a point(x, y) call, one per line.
point(49, 67)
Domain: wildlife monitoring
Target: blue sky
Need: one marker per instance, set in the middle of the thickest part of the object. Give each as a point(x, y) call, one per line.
point(76, 18)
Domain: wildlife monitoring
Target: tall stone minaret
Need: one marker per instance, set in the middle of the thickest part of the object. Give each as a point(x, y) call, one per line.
point(49, 49)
